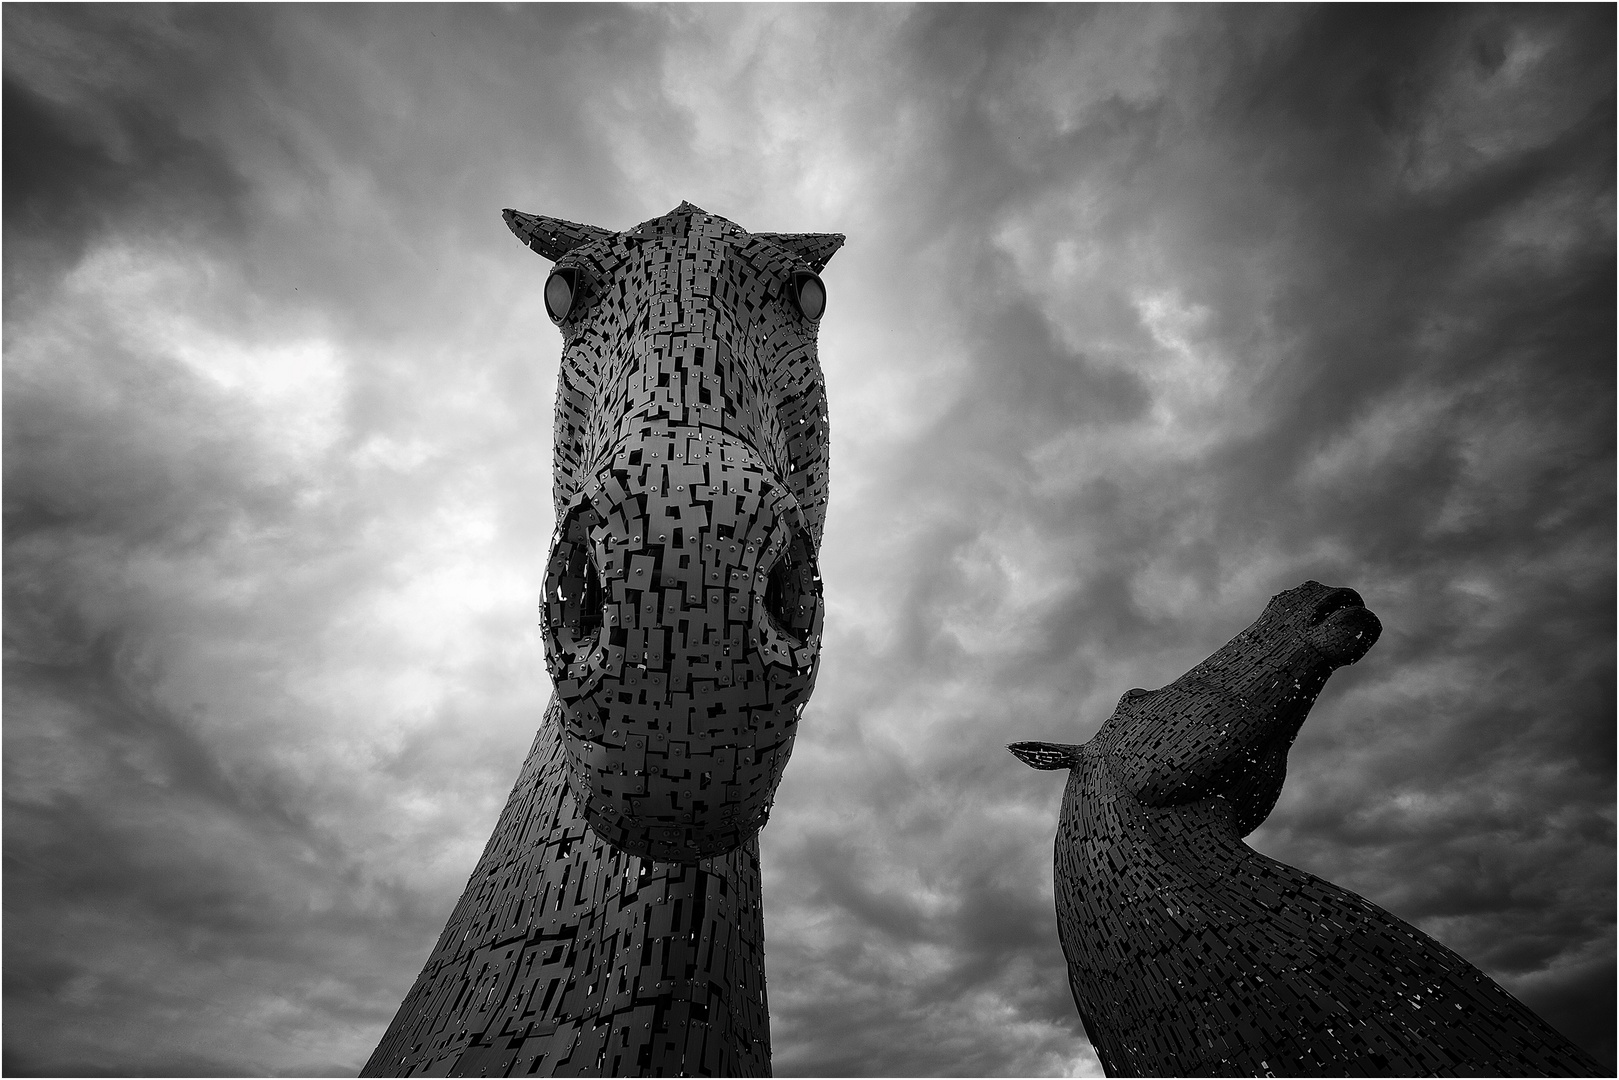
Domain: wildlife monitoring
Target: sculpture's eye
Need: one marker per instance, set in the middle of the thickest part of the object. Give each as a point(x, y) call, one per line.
point(562, 288)
point(808, 294)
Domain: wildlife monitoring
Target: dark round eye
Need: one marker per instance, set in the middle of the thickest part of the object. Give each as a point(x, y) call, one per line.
point(808, 294)
point(560, 290)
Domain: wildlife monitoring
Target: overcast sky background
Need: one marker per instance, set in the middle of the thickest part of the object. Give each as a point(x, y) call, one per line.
point(1145, 315)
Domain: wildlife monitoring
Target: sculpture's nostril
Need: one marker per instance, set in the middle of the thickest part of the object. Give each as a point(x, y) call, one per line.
point(1335, 600)
point(790, 596)
point(587, 606)
point(574, 598)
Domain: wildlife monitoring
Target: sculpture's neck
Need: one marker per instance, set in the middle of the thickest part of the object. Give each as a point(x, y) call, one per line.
point(566, 955)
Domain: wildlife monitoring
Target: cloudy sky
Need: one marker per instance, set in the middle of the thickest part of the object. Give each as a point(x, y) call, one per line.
point(1145, 315)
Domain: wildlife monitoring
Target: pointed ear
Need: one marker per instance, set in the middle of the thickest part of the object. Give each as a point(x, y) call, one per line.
point(815, 248)
point(549, 236)
point(1047, 755)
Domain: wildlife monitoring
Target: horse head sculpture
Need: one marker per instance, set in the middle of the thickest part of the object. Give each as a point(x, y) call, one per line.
point(1224, 728)
point(1191, 954)
point(682, 602)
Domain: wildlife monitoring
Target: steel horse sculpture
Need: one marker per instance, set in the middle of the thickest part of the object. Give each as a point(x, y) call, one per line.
point(613, 924)
point(1191, 954)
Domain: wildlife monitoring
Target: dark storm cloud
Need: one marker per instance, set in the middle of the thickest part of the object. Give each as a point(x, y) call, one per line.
point(1146, 314)
point(73, 173)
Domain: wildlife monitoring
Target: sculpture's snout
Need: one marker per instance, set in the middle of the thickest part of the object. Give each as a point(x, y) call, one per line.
point(682, 615)
point(1336, 622)
point(684, 549)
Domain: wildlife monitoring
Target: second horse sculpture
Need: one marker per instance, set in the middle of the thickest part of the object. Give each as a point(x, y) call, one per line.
point(1191, 954)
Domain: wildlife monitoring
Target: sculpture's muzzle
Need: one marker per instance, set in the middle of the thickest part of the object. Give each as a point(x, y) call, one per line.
point(682, 616)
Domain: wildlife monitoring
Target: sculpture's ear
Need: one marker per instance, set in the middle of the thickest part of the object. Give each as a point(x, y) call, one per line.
point(815, 248)
point(549, 236)
point(1047, 755)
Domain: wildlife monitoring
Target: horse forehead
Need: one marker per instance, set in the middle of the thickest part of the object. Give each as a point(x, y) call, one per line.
point(676, 228)
point(718, 247)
